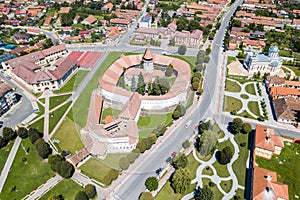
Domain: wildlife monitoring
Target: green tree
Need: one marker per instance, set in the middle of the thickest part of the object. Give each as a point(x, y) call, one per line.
point(246, 128)
point(169, 70)
point(225, 155)
point(131, 157)
point(90, 191)
point(176, 114)
point(42, 148)
point(146, 196)
point(66, 169)
point(124, 163)
point(197, 74)
point(34, 135)
point(181, 50)
point(204, 193)
point(180, 161)
point(151, 183)
point(8, 133)
point(195, 86)
point(236, 126)
point(22, 132)
point(81, 196)
point(181, 181)
point(54, 160)
point(3, 142)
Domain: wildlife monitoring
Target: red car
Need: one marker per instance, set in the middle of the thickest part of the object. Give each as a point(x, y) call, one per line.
point(174, 154)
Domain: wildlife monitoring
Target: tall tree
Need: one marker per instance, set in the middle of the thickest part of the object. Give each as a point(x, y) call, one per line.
point(90, 191)
point(22, 132)
point(81, 196)
point(169, 70)
point(8, 133)
point(42, 148)
point(204, 193)
point(180, 161)
point(181, 50)
point(236, 126)
point(151, 183)
point(225, 155)
point(181, 181)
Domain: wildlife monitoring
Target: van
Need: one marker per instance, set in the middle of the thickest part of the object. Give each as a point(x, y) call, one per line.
point(187, 124)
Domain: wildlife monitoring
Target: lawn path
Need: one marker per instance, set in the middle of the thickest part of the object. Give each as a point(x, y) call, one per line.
point(215, 178)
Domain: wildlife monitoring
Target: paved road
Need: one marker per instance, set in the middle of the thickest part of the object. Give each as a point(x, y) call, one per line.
point(9, 162)
point(22, 111)
point(134, 185)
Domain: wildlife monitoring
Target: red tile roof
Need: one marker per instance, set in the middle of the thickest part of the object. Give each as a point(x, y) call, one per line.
point(266, 139)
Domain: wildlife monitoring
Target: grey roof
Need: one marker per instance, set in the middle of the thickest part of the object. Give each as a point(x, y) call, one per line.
point(145, 19)
point(274, 49)
point(274, 63)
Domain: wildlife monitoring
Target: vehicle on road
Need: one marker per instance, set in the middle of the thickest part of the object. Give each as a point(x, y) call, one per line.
point(188, 124)
point(1, 124)
point(8, 77)
point(174, 154)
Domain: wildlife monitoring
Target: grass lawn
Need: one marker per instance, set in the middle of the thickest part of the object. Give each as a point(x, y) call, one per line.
point(39, 125)
point(112, 160)
point(4, 152)
point(80, 108)
point(190, 100)
point(294, 69)
point(240, 193)
point(67, 188)
point(222, 170)
point(232, 86)
point(192, 166)
point(26, 176)
point(42, 100)
point(95, 169)
point(230, 59)
point(244, 96)
point(57, 115)
point(231, 104)
point(253, 107)
point(239, 166)
point(245, 114)
point(250, 89)
point(207, 171)
point(57, 100)
point(287, 172)
point(147, 124)
point(167, 192)
point(226, 185)
point(218, 195)
point(109, 111)
point(66, 131)
point(74, 82)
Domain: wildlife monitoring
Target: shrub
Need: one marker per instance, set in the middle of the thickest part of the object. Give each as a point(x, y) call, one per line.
point(211, 184)
point(124, 163)
point(141, 146)
point(151, 183)
point(186, 144)
point(90, 191)
point(246, 128)
point(3, 142)
point(131, 157)
point(66, 169)
point(34, 135)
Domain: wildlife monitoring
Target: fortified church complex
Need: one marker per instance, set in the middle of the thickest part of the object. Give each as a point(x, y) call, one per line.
point(121, 134)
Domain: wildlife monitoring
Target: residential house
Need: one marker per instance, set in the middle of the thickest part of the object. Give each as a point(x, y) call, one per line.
point(267, 143)
point(64, 10)
point(149, 32)
point(90, 20)
point(119, 22)
point(187, 38)
point(266, 187)
point(145, 22)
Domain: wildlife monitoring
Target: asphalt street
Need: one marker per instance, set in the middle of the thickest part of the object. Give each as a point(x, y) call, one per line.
point(134, 184)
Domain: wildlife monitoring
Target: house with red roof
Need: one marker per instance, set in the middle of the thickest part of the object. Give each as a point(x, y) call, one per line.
point(267, 143)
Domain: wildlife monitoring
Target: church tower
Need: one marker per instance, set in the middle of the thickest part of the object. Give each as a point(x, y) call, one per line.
point(148, 61)
point(273, 52)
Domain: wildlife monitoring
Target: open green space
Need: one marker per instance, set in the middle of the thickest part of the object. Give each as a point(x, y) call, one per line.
point(295, 69)
point(232, 86)
point(167, 192)
point(25, 176)
point(109, 111)
point(95, 169)
point(112, 159)
point(254, 108)
point(207, 171)
point(222, 170)
point(80, 108)
point(240, 79)
point(4, 152)
point(250, 89)
point(232, 104)
point(74, 82)
point(189, 59)
point(57, 115)
point(39, 125)
point(286, 167)
point(244, 96)
point(192, 166)
point(239, 165)
point(66, 131)
point(42, 100)
point(245, 114)
point(230, 59)
point(67, 188)
point(240, 193)
point(226, 185)
point(147, 124)
point(218, 195)
point(57, 100)
point(42, 110)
